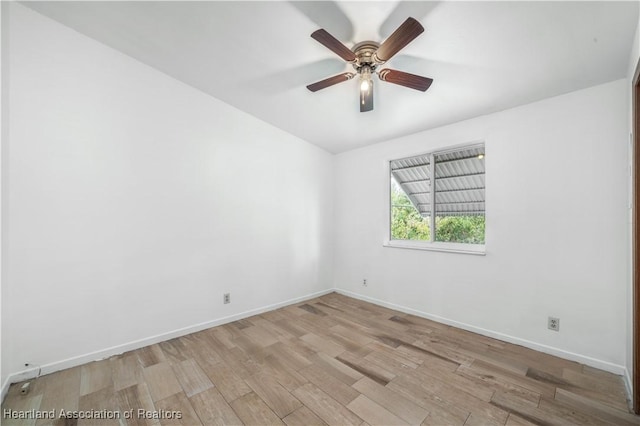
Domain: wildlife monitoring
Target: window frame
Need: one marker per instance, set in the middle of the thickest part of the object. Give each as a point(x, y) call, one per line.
point(441, 246)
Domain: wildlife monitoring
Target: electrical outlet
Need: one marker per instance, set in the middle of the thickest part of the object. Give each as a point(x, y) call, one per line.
point(553, 324)
point(227, 298)
point(364, 282)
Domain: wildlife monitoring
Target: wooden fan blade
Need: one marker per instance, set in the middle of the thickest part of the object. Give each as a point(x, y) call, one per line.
point(405, 79)
point(333, 44)
point(323, 84)
point(405, 33)
point(366, 99)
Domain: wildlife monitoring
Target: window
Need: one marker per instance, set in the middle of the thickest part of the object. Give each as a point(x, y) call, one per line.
point(446, 212)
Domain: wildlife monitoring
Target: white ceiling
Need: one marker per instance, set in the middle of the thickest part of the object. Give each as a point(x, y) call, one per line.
point(258, 56)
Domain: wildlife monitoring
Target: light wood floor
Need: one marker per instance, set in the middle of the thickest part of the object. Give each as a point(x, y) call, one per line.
point(339, 361)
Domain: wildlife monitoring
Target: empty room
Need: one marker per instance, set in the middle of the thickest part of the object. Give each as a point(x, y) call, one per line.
point(320, 212)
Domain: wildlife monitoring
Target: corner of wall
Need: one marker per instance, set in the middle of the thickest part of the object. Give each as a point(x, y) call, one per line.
point(4, 135)
point(634, 63)
point(626, 377)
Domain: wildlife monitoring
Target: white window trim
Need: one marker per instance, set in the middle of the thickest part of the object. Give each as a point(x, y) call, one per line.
point(462, 248)
point(477, 249)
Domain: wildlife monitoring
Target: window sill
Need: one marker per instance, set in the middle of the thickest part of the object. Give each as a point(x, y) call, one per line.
point(475, 249)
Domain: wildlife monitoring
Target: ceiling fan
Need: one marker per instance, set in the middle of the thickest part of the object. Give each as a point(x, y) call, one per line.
point(366, 56)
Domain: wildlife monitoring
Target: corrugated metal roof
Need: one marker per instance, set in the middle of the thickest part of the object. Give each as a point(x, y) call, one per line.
point(459, 181)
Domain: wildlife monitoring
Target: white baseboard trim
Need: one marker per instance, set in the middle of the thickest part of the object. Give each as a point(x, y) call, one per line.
point(137, 344)
point(583, 359)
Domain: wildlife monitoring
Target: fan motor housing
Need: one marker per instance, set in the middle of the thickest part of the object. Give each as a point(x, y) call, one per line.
point(364, 54)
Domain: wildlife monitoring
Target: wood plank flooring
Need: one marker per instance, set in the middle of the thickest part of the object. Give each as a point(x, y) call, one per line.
point(332, 360)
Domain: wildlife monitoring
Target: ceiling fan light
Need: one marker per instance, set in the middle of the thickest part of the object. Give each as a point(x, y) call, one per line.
point(365, 79)
point(366, 88)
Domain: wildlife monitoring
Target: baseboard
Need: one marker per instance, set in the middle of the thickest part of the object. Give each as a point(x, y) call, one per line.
point(137, 344)
point(592, 362)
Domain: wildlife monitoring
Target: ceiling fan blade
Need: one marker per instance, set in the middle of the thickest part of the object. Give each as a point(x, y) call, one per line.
point(366, 99)
point(323, 84)
point(405, 33)
point(405, 79)
point(333, 44)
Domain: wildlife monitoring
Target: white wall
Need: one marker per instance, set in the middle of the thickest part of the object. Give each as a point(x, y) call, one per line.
point(556, 233)
point(135, 202)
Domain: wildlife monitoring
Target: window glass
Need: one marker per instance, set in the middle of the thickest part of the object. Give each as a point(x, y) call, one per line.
point(439, 197)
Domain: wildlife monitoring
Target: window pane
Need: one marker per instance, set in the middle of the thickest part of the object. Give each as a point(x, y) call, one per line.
point(460, 202)
point(406, 222)
point(460, 229)
point(410, 198)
